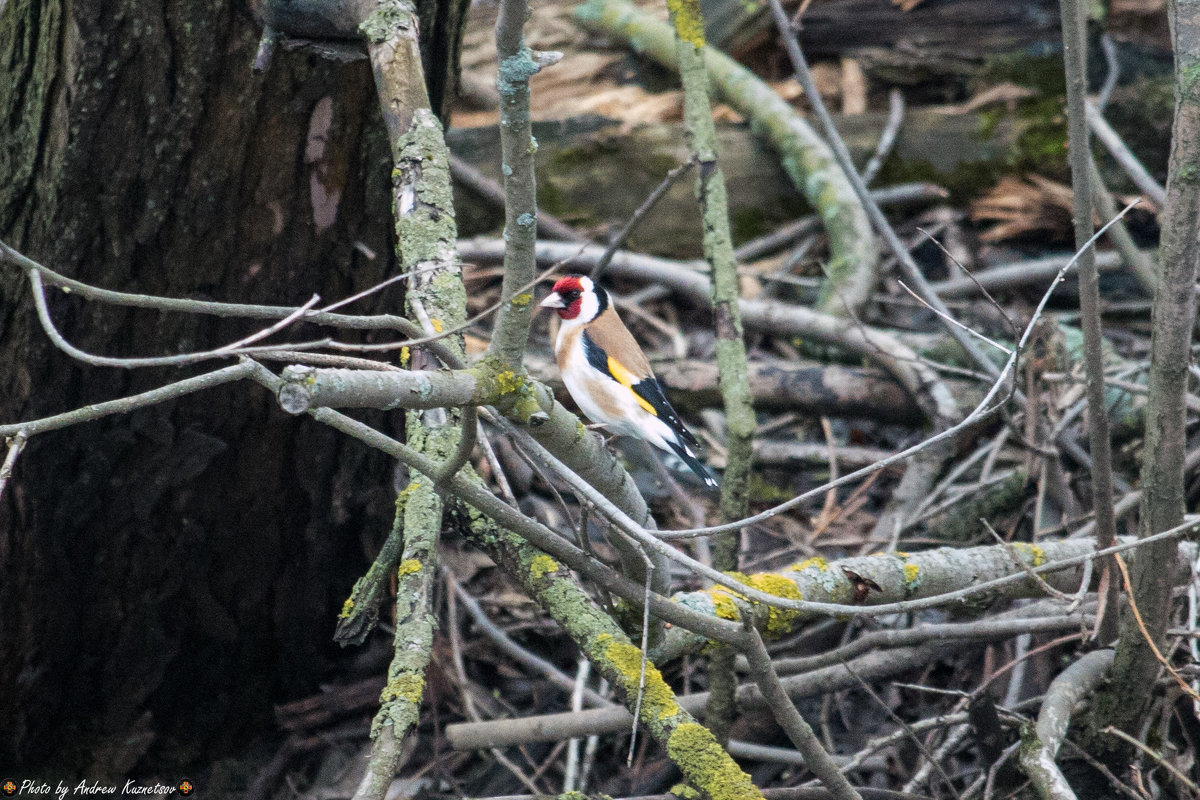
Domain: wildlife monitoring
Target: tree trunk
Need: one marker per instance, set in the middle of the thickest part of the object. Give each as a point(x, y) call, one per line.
point(189, 556)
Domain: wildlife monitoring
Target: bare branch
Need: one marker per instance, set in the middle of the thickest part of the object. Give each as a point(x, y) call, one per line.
point(127, 404)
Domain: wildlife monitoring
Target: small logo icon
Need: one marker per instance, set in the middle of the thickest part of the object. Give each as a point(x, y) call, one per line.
point(186, 788)
point(9, 788)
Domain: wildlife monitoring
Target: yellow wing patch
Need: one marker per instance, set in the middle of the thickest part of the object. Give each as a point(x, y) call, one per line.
point(628, 379)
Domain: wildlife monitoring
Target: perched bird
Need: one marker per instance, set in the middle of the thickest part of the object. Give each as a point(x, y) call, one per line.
point(608, 375)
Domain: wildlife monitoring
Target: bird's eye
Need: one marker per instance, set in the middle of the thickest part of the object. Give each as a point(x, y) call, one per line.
point(571, 296)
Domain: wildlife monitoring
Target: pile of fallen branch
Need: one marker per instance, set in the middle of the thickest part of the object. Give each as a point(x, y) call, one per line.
point(906, 586)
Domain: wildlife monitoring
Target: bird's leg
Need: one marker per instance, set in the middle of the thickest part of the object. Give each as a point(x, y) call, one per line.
point(600, 427)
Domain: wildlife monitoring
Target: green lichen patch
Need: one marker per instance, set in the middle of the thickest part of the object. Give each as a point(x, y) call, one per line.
point(724, 606)
point(408, 566)
point(707, 766)
point(404, 687)
point(522, 300)
point(386, 18)
point(542, 566)
point(347, 608)
point(689, 22)
point(816, 562)
point(1032, 553)
point(515, 71)
point(912, 578)
point(684, 792)
point(779, 620)
point(658, 700)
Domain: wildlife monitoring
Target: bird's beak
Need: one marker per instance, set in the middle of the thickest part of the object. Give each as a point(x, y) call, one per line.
point(553, 300)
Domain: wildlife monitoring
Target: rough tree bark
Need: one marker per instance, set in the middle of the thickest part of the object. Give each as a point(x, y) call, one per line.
point(1123, 704)
point(192, 555)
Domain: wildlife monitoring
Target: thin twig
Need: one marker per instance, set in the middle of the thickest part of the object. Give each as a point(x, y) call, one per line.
point(1137, 615)
point(1188, 782)
point(1080, 158)
point(794, 725)
point(15, 445)
point(1114, 71)
point(1020, 562)
point(887, 139)
point(880, 223)
point(645, 208)
point(1121, 153)
point(904, 725)
point(124, 405)
point(952, 321)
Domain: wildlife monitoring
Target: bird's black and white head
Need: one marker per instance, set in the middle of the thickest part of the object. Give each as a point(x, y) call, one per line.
point(576, 299)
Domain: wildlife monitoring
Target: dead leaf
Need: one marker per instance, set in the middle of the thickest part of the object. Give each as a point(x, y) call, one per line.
point(1023, 206)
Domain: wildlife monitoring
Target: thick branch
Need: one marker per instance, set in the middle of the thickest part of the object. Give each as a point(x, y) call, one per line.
point(1173, 316)
point(517, 66)
point(1080, 158)
point(426, 237)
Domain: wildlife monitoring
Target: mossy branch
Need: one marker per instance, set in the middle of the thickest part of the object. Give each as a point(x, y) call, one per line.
point(426, 247)
point(885, 578)
point(517, 64)
point(807, 159)
point(685, 16)
point(703, 762)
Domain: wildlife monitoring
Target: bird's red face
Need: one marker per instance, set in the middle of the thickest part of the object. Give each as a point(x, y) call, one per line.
point(566, 297)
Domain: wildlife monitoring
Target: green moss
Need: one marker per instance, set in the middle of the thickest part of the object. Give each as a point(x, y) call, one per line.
point(684, 792)
point(542, 566)
point(658, 700)
point(522, 300)
point(347, 608)
point(404, 687)
point(383, 20)
point(763, 491)
point(408, 566)
point(816, 562)
point(707, 766)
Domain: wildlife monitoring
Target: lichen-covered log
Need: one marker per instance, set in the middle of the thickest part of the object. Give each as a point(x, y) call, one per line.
point(888, 578)
point(576, 182)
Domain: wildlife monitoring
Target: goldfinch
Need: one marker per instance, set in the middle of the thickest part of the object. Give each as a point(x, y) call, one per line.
point(608, 375)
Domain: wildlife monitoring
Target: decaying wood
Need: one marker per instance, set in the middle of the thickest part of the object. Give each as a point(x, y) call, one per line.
point(576, 181)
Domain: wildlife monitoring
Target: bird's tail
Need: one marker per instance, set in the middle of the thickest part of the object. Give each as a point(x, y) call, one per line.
point(688, 457)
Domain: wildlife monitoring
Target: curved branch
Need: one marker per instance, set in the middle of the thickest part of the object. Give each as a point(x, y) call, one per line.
point(1040, 745)
point(808, 161)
